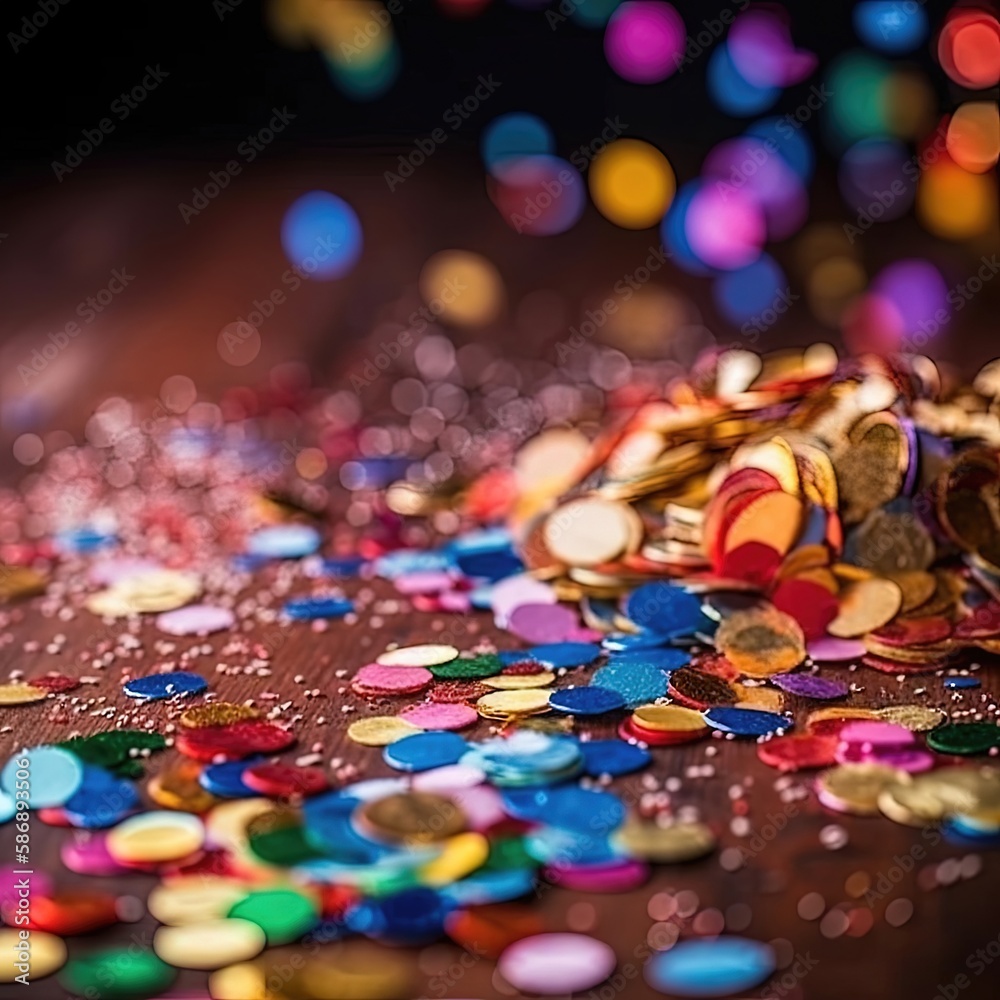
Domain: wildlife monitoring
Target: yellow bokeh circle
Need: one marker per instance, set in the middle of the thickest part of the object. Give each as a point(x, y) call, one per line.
point(955, 204)
point(462, 288)
point(632, 184)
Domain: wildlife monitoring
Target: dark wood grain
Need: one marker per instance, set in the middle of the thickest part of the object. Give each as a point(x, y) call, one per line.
point(948, 926)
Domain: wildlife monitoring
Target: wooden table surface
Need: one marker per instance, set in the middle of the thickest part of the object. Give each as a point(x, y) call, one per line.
point(199, 281)
point(948, 926)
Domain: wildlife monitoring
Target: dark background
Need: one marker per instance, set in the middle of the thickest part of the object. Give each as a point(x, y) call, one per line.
point(60, 238)
point(226, 74)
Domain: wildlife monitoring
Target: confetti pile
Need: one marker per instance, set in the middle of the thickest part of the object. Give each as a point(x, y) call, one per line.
point(740, 558)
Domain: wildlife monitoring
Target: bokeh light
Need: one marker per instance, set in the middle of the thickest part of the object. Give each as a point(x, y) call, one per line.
point(955, 204)
point(871, 324)
point(760, 46)
point(463, 288)
point(918, 294)
point(538, 195)
point(732, 91)
point(858, 107)
point(973, 136)
point(644, 41)
point(969, 48)
point(673, 232)
point(357, 41)
point(646, 324)
point(911, 103)
point(874, 180)
point(726, 228)
point(832, 285)
point(790, 139)
point(632, 183)
point(752, 292)
point(321, 236)
point(593, 13)
point(891, 26)
point(365, 80)
point(750, 166)
point(463, 8)
point(514, 135)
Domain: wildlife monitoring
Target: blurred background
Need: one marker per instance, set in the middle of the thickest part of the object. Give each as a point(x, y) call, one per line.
point(219, 193)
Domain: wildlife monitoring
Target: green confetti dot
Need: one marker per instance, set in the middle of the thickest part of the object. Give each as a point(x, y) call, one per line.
point(964, 738)
point(283, 915)
point(117, 973)
point(469, 669)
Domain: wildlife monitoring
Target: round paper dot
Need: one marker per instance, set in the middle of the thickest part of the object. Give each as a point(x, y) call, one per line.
point(556, 964)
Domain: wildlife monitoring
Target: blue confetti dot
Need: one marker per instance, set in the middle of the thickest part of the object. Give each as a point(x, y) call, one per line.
point(962, 683)
point(284, 541)
point(226, 780)
point(53, 775)
point(490, 887)
point(308, 608)
point(565, 654)
point(343, 565)
point(746, 721)
point(329, 828)
point(665, 658)
point(710, 968)
point(423, 751)
point(550, 845)
point(102, 800)
point(158, 686)
point(634, 641)
point(593, 700)
point(637, 683)
point(411, 917)
point(613, 757)
point(666, 608)
point(492, 566)
point(568, 807)
point(403, 561)
point(84, 539)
